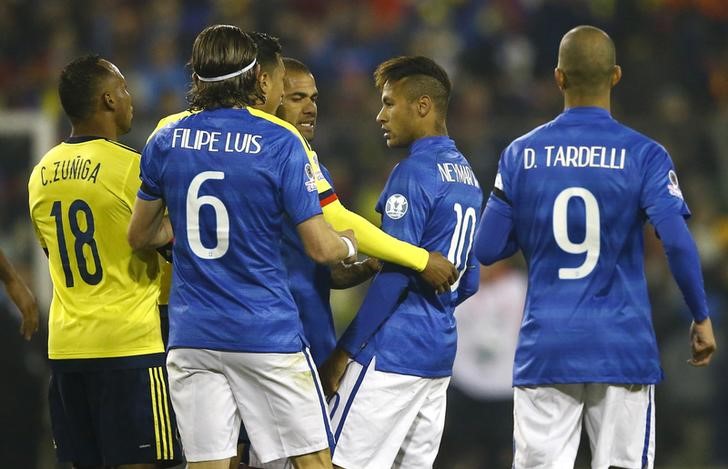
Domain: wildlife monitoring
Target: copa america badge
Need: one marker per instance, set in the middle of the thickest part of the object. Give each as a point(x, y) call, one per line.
point(396, 206)
point(674, 187)
point(311, 182)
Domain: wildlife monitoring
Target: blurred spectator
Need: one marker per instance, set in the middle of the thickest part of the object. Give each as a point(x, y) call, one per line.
point(479, 421)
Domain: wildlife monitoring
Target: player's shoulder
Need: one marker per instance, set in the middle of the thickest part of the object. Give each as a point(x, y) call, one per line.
point(413, 167)
point(514, 151)
point(110, 153)
point(528, 138)
point(416, 172)
point(102, 148)
point(279, 127)
point(171, 119)
point(124, 149)
point(636, 140)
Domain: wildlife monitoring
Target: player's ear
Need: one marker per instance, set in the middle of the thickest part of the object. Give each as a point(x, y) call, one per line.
point(264, 80)
point(424, 105)
point(108, 101)
point(616, 75)
point(560, 79)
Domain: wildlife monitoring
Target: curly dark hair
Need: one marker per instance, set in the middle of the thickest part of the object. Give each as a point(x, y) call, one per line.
point(219, 50)
point(79, 82)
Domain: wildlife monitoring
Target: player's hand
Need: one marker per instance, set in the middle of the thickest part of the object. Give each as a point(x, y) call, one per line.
point(166, 251)
point(373, 264)
point(439, 272)
point(25, 301)
point(332, 371)
point(702, 342)
point(349, 234)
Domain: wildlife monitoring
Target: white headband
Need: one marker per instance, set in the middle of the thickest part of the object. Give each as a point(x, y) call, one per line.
point(229, 75)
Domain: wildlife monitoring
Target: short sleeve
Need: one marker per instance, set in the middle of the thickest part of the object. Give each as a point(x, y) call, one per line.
point(661, 195)
point(405, 203)
point(151, 171)
point(299, 184)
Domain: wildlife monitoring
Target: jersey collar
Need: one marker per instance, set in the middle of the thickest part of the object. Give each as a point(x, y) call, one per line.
point(424, 143)
point(82, 139)
point(585, 112)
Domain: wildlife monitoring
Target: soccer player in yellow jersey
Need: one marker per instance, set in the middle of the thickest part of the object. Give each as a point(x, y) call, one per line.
point(108, 395)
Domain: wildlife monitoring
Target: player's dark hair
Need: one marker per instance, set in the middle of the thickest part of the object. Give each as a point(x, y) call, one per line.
point(79, 85)
point(269, 49)
point(423, 77)
point(219, 50)
point(294, 65)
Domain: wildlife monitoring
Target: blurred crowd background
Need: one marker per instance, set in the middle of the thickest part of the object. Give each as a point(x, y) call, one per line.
point(500, 55)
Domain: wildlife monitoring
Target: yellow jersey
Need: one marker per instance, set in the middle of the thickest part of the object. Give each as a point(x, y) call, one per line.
point(104, 304)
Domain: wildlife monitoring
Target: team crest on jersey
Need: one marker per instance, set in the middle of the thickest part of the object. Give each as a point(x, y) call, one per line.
point(310, 178)
point(674, 187)
point(396, 206)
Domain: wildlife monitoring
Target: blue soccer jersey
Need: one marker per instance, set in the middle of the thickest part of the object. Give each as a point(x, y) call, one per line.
point(310, 285)
point(432, 199)
point(579, 190)
point(229, 178)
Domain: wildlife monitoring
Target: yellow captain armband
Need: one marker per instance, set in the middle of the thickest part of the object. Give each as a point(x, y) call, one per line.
point(373, 241)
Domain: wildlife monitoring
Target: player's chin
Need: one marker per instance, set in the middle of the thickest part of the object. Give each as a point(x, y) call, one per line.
point(393, 142)
point(125, 128)
point(306, 131)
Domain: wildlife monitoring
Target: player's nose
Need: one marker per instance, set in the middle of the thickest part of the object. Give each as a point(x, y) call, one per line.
point(310, 109)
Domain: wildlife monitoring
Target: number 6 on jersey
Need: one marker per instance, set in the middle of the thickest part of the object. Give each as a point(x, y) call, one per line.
point(222, 221)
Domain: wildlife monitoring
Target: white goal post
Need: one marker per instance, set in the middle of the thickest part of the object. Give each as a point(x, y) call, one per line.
point(39, 128)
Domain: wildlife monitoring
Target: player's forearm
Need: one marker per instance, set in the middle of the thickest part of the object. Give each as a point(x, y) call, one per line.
point(149, 229)
point(684, 260)
point(321, 243)
point(381, 300)
point(373, 241)
point(7, 271)
point(493, 239)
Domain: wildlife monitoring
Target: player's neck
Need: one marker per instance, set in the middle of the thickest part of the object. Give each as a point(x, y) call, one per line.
point(571, 101)
point(438, 129)
point(95, 129)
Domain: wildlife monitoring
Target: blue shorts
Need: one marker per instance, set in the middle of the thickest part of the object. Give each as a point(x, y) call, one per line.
point(105, 413)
